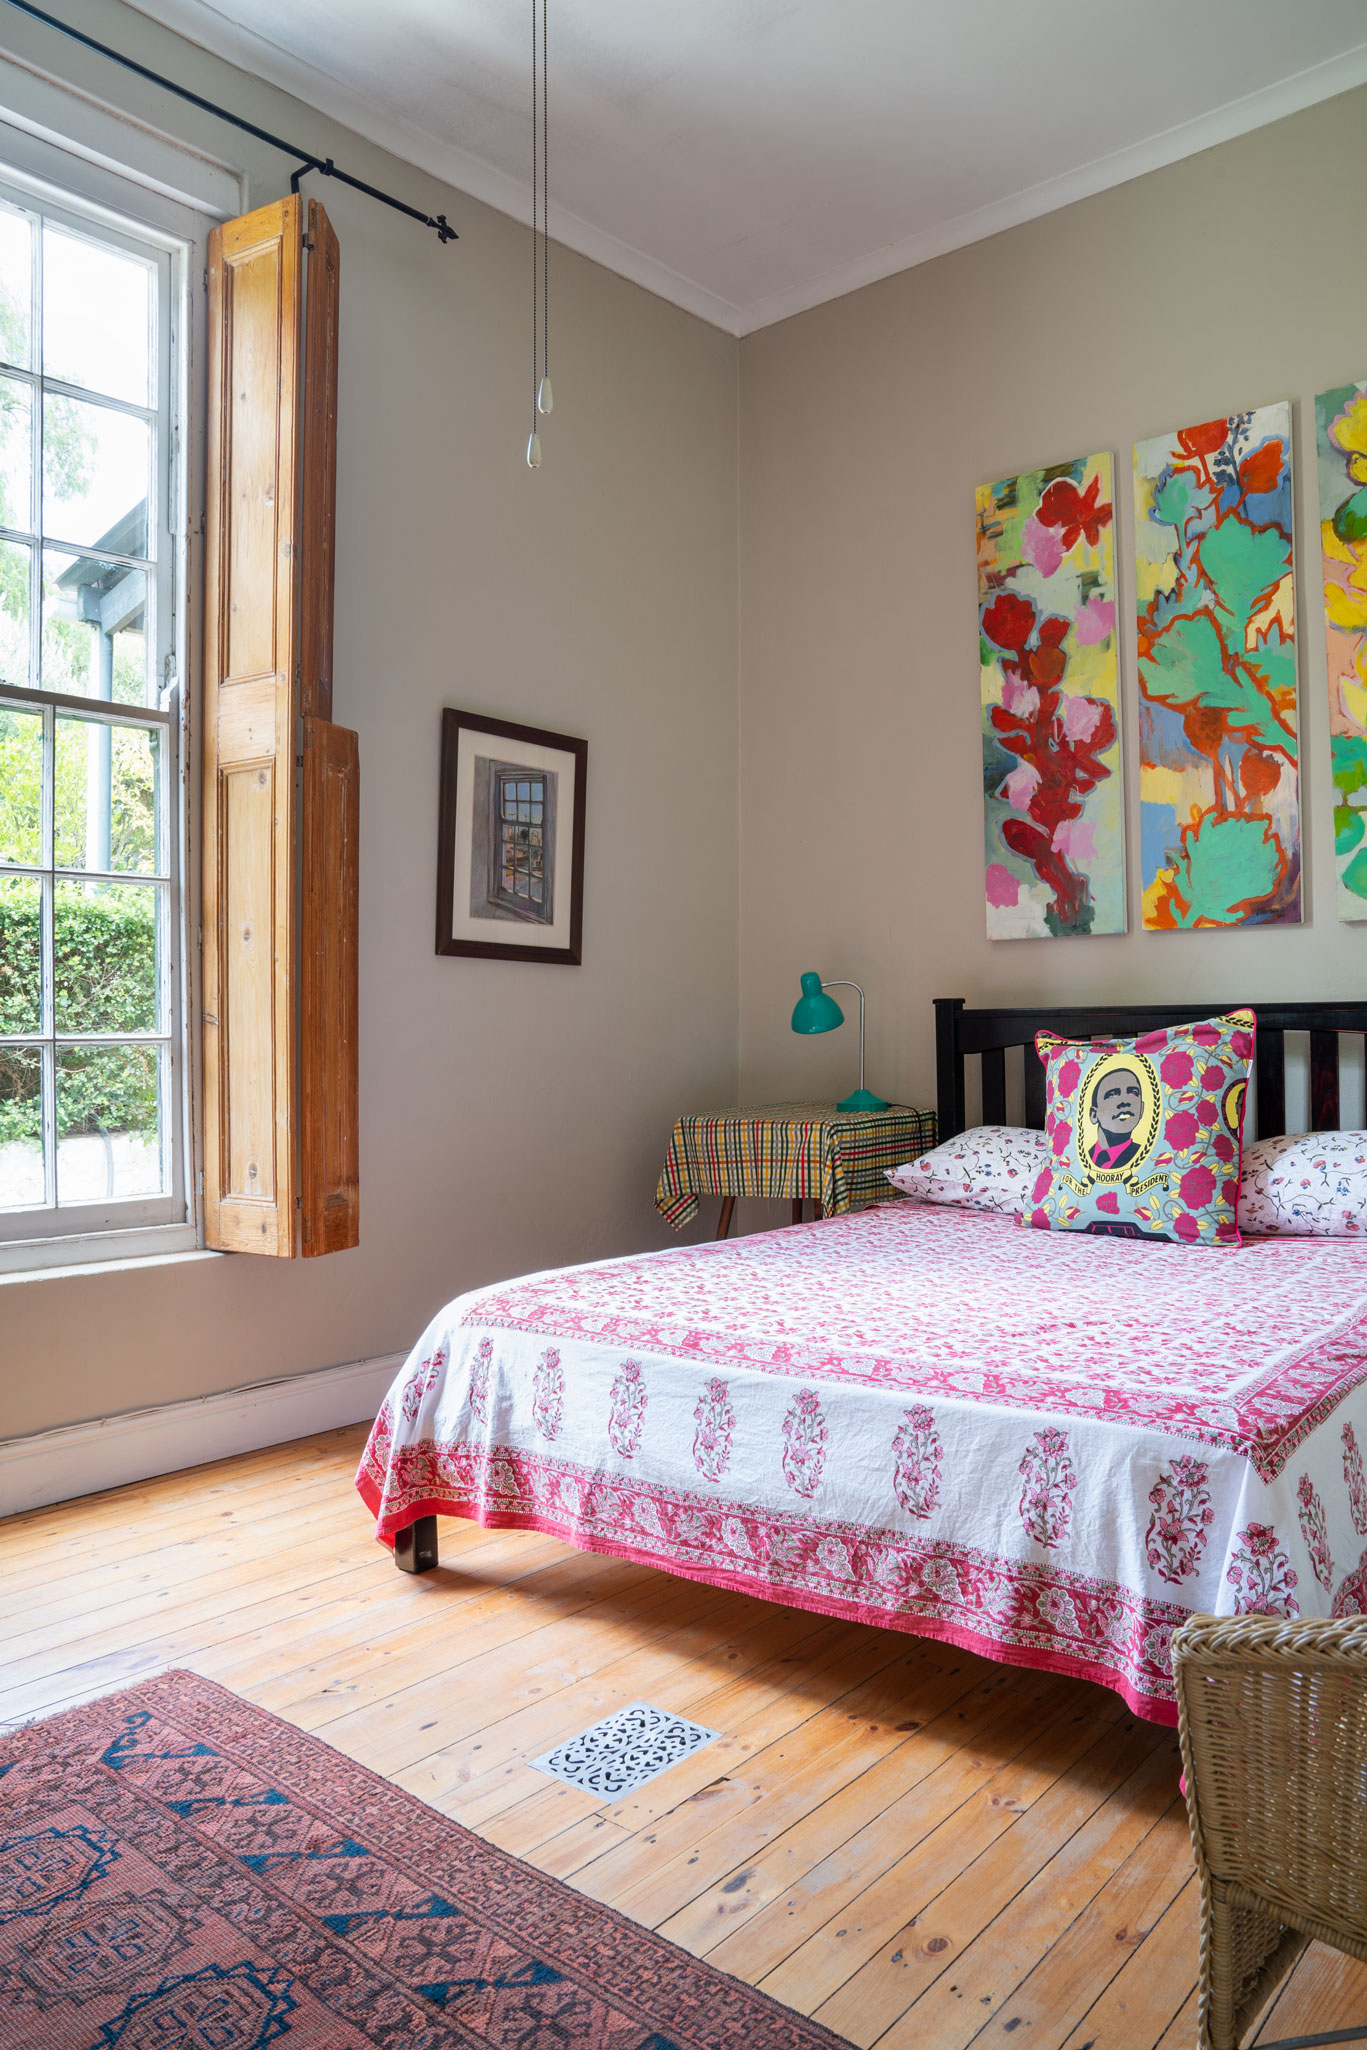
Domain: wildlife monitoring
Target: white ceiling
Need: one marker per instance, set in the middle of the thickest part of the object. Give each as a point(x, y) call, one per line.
point(749, 158)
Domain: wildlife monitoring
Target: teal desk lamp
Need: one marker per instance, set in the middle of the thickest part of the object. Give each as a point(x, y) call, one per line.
point(816, 1012)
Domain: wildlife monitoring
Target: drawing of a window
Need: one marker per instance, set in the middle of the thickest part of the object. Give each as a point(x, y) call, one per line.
point(517, 874)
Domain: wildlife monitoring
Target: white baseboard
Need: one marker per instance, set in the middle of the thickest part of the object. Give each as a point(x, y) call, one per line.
point(80, 1459)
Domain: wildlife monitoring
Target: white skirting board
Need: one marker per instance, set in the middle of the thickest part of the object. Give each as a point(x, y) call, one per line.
point(79, 1459)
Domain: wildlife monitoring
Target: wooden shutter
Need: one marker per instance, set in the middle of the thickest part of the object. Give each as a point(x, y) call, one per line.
point(330, 1184)
point(330, 799)
point(280, 809)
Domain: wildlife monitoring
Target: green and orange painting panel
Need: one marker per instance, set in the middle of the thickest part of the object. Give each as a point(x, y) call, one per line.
point(1218, 776)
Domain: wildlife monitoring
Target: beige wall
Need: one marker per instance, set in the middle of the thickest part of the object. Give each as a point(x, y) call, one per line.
point(512, 1117)
point(1220, 283)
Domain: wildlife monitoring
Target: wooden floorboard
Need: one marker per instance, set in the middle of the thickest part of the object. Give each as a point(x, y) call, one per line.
point(1326, 1991)
point(917, 1846)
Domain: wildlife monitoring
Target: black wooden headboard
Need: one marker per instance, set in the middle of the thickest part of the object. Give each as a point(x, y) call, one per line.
point(959, 1031)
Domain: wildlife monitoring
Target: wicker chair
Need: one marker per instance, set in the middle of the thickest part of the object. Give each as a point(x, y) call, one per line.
point(1273, 1723)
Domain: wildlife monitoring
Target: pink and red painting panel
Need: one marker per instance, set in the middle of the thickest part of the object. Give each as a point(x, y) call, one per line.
point(1054, 806)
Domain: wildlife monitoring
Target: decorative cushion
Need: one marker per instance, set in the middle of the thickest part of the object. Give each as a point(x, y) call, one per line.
point(1305, 1185)
point(1145, 1135)
point(993, 1167)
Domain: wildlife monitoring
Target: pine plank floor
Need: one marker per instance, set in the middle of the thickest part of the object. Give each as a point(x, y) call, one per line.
point(914, 1845)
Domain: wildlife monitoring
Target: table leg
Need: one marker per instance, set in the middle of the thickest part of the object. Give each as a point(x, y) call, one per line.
point(797, 1210)
point(728, 1205)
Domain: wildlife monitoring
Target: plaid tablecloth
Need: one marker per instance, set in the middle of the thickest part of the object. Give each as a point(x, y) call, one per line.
point(789, 1149)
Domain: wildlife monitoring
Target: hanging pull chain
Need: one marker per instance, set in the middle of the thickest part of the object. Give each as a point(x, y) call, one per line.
point(544, 397)
point(534, 439)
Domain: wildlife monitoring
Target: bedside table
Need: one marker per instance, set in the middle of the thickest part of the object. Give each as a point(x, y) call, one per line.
point(790, 1152)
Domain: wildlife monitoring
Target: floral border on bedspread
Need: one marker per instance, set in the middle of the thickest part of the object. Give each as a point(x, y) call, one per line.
point(1023, 1612)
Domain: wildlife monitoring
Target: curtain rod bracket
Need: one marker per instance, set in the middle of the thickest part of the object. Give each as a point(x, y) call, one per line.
point(323, 166)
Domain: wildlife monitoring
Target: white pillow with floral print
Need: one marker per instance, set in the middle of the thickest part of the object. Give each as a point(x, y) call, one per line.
point(1305, 1185)
point(993, 1167)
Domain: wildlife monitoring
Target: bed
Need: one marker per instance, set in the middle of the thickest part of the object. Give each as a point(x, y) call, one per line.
point(1045, 1447)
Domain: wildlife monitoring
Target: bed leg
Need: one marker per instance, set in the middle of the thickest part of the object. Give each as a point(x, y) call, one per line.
point(415, 1549)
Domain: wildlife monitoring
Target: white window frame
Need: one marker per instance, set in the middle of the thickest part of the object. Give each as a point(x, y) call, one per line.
point(81, 185)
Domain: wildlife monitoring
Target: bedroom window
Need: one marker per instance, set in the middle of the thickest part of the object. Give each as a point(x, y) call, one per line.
point(92, 1128)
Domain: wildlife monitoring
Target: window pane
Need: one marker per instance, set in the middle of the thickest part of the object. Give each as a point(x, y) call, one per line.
point(105, 946)
point(97, 305)
point(21, 954)
point(86, 1117)
point(21, 785)
point(16, 454)
point(95, 475)
point(21, 1128)
point(108, 1122)
point(105, 796)
point(14, 614)
point(95, 629)
point(16, 286)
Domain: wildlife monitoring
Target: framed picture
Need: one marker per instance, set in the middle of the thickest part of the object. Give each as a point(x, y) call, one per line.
point(510, 842)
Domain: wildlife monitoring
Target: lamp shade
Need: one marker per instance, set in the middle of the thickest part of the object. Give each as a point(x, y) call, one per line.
point(814, 1011)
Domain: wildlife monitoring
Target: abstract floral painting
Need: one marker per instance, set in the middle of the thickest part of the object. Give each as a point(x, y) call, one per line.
point(1050, 703)
point(1218, 786)
point(1341, 436)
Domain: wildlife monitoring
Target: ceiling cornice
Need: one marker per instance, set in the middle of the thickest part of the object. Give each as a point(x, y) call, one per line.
point(1222, 124)
point(480, 180)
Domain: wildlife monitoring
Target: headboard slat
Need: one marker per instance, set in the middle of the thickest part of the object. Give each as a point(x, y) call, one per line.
point(949, 1067)
point(1324, 1081)
point(1270, 1068)
point(1034, 1088)
point(994, 1085)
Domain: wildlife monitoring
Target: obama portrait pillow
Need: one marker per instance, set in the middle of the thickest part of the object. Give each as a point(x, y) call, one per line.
point(1144, 1136)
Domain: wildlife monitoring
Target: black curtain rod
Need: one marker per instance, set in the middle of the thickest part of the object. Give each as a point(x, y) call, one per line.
point(306, 159)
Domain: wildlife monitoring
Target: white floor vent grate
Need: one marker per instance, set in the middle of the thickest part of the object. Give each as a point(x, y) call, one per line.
point(625, 1751)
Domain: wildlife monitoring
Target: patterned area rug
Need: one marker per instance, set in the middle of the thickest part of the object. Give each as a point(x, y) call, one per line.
point(181, 1871)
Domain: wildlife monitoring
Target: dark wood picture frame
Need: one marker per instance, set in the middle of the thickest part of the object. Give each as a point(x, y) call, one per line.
point(453, 725)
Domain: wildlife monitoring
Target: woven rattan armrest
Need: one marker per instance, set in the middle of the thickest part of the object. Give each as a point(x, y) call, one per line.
point(1273, 1726)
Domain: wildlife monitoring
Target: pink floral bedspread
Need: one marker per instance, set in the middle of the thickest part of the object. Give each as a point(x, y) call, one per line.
point(1045, 1446)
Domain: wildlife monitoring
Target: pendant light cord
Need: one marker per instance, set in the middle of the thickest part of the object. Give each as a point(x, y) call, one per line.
point(541, 226)
point(535, 270)
point(545, 195)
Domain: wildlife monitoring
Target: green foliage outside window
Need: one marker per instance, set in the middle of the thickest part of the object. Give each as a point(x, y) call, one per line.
point(105, 951)
point(132, 793)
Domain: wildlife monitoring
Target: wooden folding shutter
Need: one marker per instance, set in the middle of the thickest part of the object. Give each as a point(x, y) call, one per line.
point(280, 781)
point(329, 1107)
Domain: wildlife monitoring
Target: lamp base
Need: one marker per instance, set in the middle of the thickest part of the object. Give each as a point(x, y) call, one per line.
point(863, 1099)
